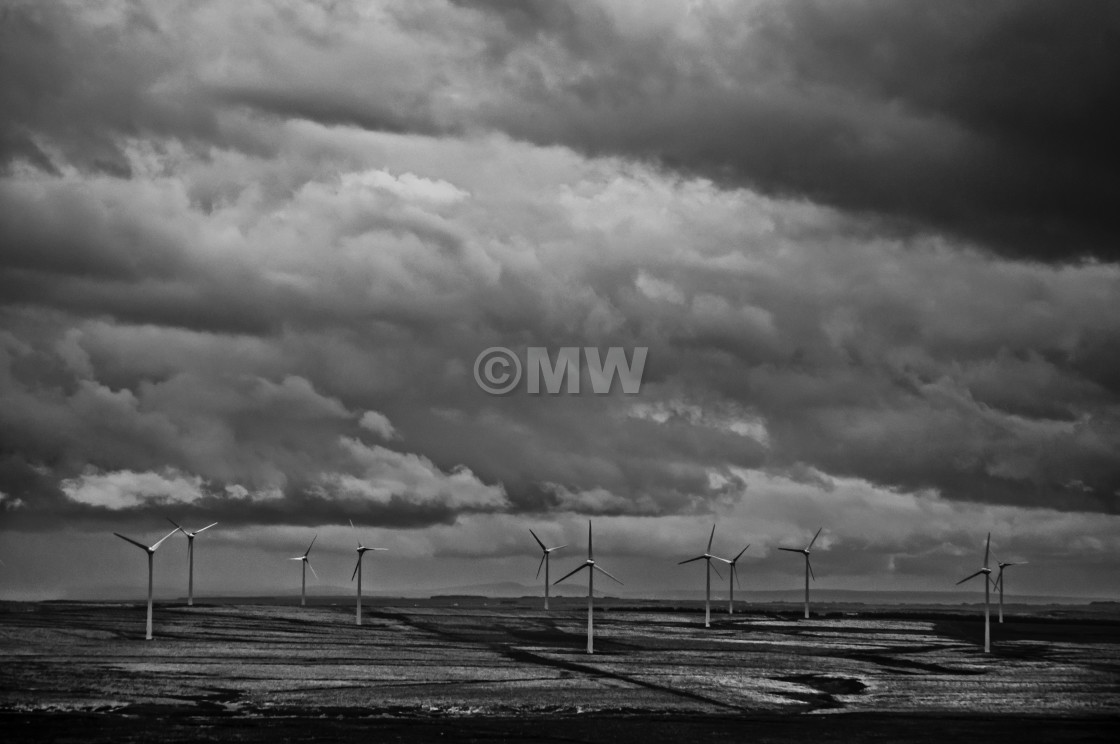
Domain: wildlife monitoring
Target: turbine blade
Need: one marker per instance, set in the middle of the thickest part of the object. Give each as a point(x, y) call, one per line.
point(534, 534)
point(792, 550)
point(355, 531)
point(970, 576)
point(987, 549)
point(810, 565)
point(356, 567)
point(297, 558)
point(735, 573)
point(690, 560)
point(312, 570)
point(590, 552)
point(744, 550)
point(169, 534)
point(205, 528)
point(541, 565)
point(308, 551)
point(600, 569)
point(715, 569)
point(710, 538)
point(172, 521)
point(129, 539)
point(558, 547)
point(577, 570)
point(814, 538)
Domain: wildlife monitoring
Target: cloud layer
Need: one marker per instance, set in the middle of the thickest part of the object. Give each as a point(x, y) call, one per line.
point(248, 255)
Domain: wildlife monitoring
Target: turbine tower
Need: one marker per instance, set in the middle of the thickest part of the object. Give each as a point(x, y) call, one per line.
point(190, 557)
point(362, 550)
point(544, 562)
point(808, 566)
point(732, 580)
point(707, 557)
point(306, 565)
point(591, 567)
point(987, 573)
point(999, 582)
point(150, 550)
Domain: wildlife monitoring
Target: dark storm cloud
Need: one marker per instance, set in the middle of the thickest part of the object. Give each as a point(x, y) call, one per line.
point(74, 83)
point(989, 121)
point(992, 121)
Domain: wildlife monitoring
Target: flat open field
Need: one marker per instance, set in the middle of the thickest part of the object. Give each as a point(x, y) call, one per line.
point(499, 670)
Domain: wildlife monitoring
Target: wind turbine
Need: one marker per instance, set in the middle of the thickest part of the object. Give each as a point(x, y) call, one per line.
point(999, 582)
point(987, 573)
point(306, 565)
point(732, 580)
point(544, 562)
point(707, 557)
point(190, 557)
point(362, 550)
point(151, 550)
point(808, 566)
point(591, 567)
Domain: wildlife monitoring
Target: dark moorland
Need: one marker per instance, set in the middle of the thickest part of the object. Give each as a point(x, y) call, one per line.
point(467, 669)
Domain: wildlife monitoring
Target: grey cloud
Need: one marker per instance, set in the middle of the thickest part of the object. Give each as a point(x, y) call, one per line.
point(78, 80)
point(373, 267)
point(989, 122)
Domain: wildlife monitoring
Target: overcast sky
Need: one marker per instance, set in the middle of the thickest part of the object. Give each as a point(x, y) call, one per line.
point(249, 253)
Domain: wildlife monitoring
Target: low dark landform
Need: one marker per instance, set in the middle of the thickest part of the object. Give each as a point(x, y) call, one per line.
point(466, 669)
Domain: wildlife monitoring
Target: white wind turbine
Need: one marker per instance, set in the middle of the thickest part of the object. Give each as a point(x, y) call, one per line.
point(591, 567)
point(987, 573)
point(306, 565)
point(707, 557)
point(999, 582)
point(808, 566)
point(732, 580)
point(544, 562)
point(190, 557)
point(150, 550)
point(362, 550)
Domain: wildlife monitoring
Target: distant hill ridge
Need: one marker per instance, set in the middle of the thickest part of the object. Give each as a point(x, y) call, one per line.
point(513, 589)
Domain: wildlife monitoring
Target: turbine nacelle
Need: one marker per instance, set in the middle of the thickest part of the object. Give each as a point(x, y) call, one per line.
point(361, 550)
point(589, 564)
point(804, 551)
point(545, 553)
point(731, 563)
point(190, 535)
point(543, 548)
point(984, 570)
point(305, 559)
point(147, 548)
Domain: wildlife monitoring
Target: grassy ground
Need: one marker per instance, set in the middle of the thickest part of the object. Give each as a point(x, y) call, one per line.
point(505, 670)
